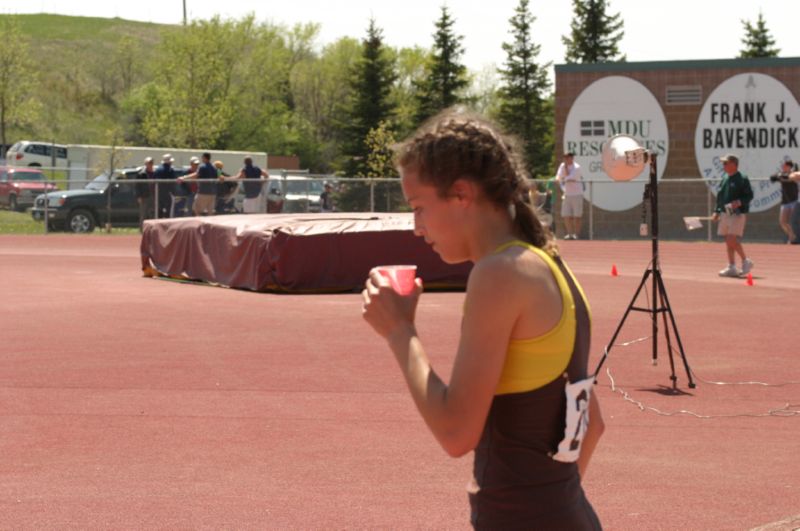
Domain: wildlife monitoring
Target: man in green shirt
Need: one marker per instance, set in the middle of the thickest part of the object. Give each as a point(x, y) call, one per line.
point(733, 203)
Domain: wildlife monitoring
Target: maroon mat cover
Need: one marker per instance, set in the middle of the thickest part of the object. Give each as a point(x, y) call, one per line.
point(292, 252)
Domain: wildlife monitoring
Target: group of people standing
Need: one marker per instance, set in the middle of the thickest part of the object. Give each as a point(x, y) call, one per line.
point(203, 189)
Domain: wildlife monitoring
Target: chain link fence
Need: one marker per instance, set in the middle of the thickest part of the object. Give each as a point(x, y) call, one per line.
point(114, 203)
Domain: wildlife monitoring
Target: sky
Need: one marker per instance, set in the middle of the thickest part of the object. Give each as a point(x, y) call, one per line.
point(654, 31)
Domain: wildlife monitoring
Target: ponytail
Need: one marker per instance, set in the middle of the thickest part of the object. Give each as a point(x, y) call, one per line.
point(528, 226)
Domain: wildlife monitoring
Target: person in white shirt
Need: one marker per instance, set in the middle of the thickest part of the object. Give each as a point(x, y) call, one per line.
point(571, 181)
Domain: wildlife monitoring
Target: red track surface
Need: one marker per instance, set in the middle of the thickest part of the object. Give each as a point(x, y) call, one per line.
point(128, 402)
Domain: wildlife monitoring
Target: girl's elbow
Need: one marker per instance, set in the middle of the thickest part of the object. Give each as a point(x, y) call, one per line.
point(458, 445)
point(457, 450)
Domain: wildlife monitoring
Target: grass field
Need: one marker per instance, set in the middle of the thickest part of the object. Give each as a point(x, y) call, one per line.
point(23, 223)
point(19, 223)
point(41, 27)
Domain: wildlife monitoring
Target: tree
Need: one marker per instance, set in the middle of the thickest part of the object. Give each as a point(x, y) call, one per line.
point(380, 164)
point(127, 56)
point(117, 69)
point(301, 43)
point(446, 76)
point(410, 66)
point(142, 101)
point(380, 157)
point(483, 91)
point(524, 109)
point(17, 81)
point(261, 94)
point(195, 77)
point(594, 35)
point(757, 40)
point(320, 85)
point(370, 106)
point(382, 196)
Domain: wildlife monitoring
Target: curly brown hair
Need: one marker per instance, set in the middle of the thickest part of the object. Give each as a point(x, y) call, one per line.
point(458, 144)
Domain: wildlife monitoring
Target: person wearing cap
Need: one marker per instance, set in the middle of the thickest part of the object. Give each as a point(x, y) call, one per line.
point(165, 172)
point(207, 178)
point(733, 203)
point(145, 191)
point(788, 198)
point(570, 178)
point(254, 178)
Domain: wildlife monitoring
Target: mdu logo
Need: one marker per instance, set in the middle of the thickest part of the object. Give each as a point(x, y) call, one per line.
point(593, 128)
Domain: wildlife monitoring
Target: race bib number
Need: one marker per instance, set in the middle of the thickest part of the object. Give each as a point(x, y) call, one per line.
point(577, 420)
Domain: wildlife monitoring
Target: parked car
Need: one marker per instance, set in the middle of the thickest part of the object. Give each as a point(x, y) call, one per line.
point(83, 210)
point(274, 198)
point(37, 154)
point(294, 193)
point(20, 186)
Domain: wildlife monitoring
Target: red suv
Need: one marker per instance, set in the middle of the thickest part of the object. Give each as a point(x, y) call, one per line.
point(20, 186)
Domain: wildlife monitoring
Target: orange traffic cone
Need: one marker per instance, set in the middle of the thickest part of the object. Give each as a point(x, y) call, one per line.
point(614, 270)
point(749, 281)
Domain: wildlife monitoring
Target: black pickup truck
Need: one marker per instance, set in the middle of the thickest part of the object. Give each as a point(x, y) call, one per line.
point(83, 210)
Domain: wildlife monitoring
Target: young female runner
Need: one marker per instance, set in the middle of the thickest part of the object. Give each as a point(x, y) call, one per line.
point(518, 394)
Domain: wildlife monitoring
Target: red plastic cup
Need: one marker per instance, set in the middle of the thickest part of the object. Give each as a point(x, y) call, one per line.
point(401, 277)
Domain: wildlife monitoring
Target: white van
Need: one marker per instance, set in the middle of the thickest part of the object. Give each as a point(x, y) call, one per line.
point(84, 161)
point(37, 154)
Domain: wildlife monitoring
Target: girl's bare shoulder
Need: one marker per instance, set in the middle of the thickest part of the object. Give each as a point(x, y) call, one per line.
point(509, 270)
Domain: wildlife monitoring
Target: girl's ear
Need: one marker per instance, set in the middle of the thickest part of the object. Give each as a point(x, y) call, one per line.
point(463, 190)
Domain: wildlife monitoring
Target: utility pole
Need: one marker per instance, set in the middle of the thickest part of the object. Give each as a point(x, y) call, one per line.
point(184, 12)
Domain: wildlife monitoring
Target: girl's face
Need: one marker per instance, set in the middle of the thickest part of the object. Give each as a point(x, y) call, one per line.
point(437, 219)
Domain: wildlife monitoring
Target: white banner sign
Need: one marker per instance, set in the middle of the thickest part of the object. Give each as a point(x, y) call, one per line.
point(610, 106)
point(755, 117)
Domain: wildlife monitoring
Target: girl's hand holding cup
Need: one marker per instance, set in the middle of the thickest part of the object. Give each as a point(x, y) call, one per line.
point(390, 298)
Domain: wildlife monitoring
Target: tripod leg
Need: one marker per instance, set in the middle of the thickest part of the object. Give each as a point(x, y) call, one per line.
point(668, 309)
point(666, 332)
point(654, 314)
point(622, 322)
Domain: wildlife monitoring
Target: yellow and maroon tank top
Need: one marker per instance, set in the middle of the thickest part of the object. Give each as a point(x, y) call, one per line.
point(535, 362)
point(517, 484)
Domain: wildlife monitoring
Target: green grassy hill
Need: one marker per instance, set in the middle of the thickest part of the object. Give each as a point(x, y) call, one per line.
point(44, 27)
point(77, 66)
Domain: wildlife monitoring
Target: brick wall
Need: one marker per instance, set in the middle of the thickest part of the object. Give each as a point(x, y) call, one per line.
point(680, 198)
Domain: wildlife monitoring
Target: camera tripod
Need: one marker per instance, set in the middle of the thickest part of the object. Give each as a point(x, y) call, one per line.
point(659, 304)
